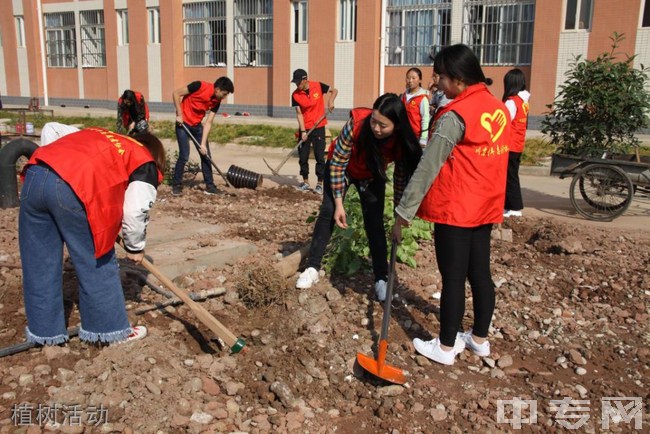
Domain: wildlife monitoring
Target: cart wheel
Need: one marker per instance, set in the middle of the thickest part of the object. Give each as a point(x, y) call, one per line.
point(605, 192)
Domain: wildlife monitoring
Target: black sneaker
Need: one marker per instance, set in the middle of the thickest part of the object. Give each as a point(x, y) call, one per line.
point(177, 190)
point(212, 190)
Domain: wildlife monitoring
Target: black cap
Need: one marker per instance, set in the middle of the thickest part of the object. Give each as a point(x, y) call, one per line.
point(298, 76)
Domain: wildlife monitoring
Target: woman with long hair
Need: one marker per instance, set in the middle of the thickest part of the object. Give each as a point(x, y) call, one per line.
point(370, 140)
point(460, 186)
point(516, 97)
point(132, 113)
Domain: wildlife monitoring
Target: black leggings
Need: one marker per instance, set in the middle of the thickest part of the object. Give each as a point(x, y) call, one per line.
point(462, 254)
point(513, 188)
point(372, 197)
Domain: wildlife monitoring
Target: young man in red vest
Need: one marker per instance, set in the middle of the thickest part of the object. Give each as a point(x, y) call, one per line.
point(192, 103)
point(308, 99)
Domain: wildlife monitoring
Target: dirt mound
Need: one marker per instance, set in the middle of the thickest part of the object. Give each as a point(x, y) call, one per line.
point(571, 321)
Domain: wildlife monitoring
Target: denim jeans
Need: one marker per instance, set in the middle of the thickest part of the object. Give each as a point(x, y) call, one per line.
point(372, 197)
point(50, 216)
point(184, 154)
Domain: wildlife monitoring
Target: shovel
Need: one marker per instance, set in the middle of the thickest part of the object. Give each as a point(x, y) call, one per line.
point(198, 148)
point(379, 367)
point(277, 169)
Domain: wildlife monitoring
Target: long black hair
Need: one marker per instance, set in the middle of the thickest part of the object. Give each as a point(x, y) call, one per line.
point(513, 83)
point(391, 106)
point(459, 62)
point(136, 108)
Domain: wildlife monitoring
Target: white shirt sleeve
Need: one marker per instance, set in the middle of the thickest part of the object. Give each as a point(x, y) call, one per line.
point(138, 200)
point(512, 108)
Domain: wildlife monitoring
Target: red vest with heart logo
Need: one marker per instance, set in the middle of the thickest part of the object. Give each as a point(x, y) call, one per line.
point(357, 167)
point(413, 112)
point(519, 124)
point(470, 188)
point(312, 105)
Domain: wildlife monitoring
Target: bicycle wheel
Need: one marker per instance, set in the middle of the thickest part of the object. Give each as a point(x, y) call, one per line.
point(601, 192)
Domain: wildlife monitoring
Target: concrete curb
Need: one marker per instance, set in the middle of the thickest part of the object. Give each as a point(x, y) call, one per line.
point(535, 170)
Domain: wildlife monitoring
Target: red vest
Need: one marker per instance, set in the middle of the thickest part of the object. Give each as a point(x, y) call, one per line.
point(470, 189)
point(96, 163)
point(126, 115)
point(413, 113)
point(519, 124)
point(195, 105)
point(357, 167)
point(312, 105)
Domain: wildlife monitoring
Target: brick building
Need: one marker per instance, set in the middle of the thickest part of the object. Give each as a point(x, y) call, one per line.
point(86, 52)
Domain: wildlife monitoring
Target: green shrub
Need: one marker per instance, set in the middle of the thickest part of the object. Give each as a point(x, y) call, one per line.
point(600, 106)
point(348, 249)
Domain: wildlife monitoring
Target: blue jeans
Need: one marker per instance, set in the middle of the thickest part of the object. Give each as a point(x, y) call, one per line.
point(184, 154)
point(50, 216)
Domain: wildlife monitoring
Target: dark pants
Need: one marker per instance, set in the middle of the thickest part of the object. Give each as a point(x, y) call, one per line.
point(513, 188)
point(317, 140)
point(462, 254)
point(372, 208)
point(184, 154)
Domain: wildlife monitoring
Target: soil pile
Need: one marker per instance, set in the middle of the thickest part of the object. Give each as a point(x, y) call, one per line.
point(571, 321)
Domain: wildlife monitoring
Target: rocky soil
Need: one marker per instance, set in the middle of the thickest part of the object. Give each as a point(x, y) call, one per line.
point(571, 321)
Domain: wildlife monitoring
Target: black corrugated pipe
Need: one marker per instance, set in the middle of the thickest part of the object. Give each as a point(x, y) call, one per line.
point(9, 155)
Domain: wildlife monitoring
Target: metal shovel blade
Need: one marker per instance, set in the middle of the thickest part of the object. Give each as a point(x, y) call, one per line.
point(379, 368)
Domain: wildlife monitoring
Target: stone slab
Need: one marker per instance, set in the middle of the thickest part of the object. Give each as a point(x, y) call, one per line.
point(180, 246)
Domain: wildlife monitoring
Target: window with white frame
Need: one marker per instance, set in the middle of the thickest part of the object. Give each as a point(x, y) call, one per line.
point(416, 29)
point(347, 20)
point(60, 40)
point(500, 31)
point(300, 21)
point(645, 18)
point(93, 43)
point(205, 33)
point(253, 32)
point(153, 15)
point(122, 27)
point(20, 31)
point(578, 14)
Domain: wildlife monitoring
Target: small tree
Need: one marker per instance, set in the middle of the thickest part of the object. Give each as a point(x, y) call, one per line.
point(600, 106)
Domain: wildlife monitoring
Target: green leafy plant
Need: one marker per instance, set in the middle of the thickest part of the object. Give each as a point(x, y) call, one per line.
point(600, 106)
point(348, 249)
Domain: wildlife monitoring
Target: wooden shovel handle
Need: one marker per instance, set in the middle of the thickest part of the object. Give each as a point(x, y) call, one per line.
point(202, 314)
point(235, 344)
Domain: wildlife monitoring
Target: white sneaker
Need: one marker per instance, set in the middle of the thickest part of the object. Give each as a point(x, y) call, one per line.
point(307, 278)
point(431, 350)
point(481, 350)
point(380, 290)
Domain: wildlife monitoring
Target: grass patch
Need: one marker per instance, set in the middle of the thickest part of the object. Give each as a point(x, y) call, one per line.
point(535, 151)
point(259, 135)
